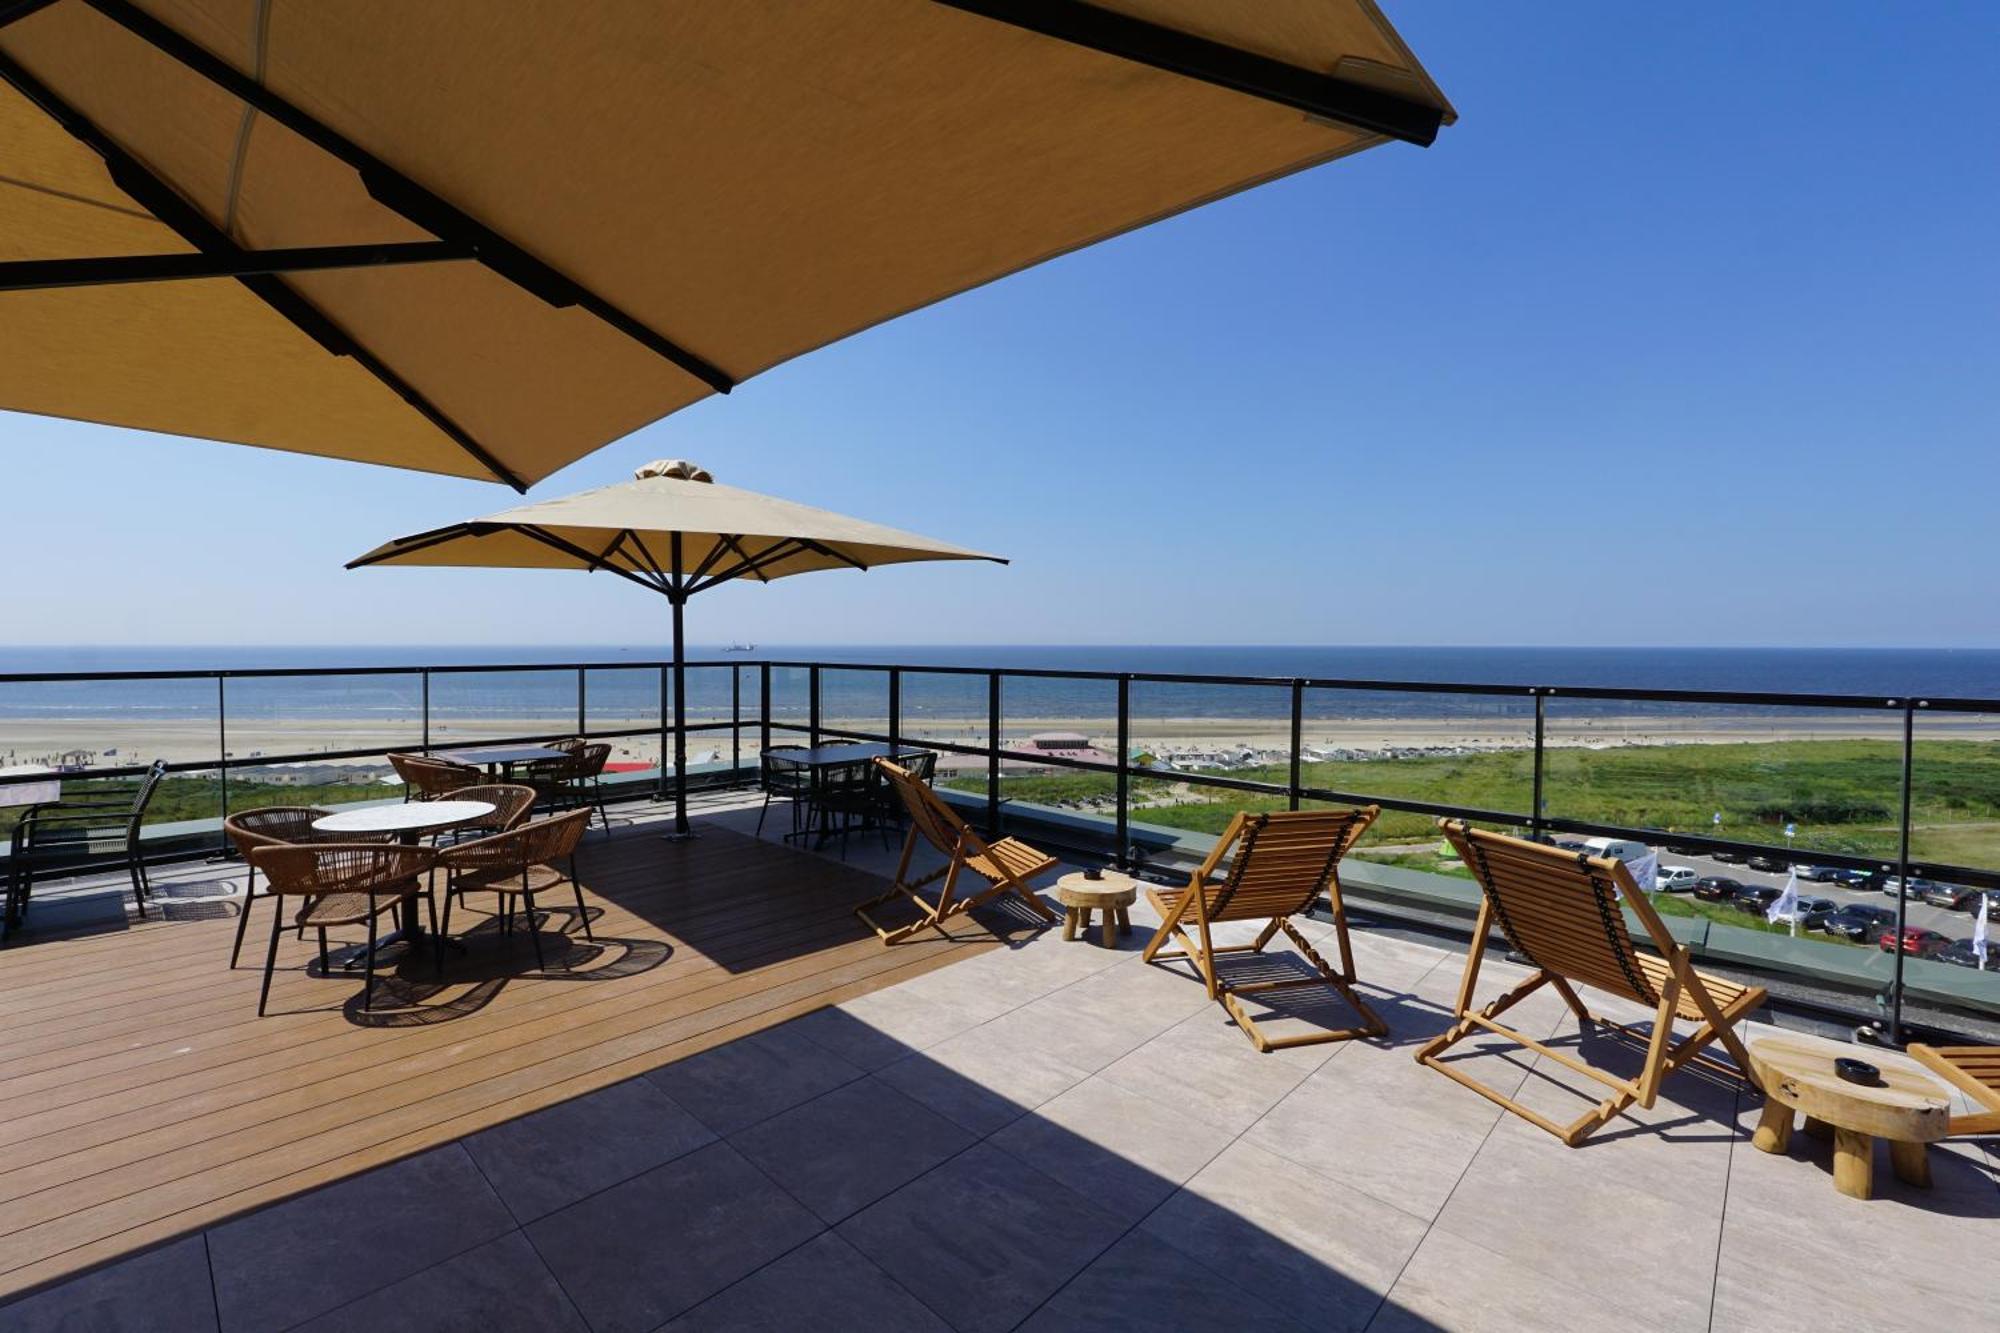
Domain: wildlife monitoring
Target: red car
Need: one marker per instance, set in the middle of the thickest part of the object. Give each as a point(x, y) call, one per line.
point(1915, 940)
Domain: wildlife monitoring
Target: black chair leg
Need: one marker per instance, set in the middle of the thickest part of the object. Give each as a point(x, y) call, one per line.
point(534, 935)
point(243, 922)
point(325, 969)
point(437, 936)
point(270, 960)
point(582, 912)
point(761, 813)
point(368, 986)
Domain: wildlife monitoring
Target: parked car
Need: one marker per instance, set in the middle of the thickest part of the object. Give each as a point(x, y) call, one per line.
point(1618, 849)
point(1961, 899)
point(1570, 844)
point(1727, 858)
point(1717, 888)
point(1770, 865)
point(1675, 879)
point(1863, 922)
point(1810, 912)
point(1819, 874)
point(1918, 941)
point(1851, 879)
point(1756, 899)
point(1959, 954)
point(1893, 886)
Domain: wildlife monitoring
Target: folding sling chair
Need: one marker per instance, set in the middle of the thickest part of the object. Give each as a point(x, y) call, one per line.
point(1974, 1071)
point(1283, 862)
point(1561, 911)
point(1005, 865)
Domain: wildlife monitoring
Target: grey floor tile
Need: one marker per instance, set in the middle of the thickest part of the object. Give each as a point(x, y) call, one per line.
point(1452, 1283)
point(1112, 1013)
point(272, 1267)
point(550, 1159)
point(1144, 1286)
point(643, 1251)
point(1316, 1250)
point(825, 1284)
point(842, 1151)
point(1122, 1150)
point(737, 1084)
point(983, 1240)
point(501, 1287)
point(1206, 1065)
point(162, 1291)
point(989, 1076)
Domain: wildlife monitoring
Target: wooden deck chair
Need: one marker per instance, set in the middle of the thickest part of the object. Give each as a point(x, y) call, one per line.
point(1283, 862)
point(1974, 1071)
point(1560, 910)
point(1006, 865)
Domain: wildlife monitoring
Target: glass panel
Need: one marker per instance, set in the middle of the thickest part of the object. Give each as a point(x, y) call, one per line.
point(474, 707)
point(315, 715)
point(1182, 732)
point(81, 725)
point(952, 708)
point(854, 700)
point(791, 701)
point(1068, 719)
point(622, 699)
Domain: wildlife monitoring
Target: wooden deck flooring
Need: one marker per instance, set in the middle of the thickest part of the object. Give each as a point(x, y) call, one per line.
point(141, 1097)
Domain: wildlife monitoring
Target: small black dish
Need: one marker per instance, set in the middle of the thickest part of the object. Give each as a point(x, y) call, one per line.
point(1093, 872)
point(1857, 1071)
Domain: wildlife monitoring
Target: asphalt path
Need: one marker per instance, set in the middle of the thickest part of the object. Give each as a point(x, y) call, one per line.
point(1954, 925)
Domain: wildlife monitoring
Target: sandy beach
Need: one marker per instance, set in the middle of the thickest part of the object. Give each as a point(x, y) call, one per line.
point(106, 742)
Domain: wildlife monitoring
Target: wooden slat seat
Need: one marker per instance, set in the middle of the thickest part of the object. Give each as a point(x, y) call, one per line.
point(1974, 1071)
point(1565, 913)
point(1006, 864)
point(1281, 863)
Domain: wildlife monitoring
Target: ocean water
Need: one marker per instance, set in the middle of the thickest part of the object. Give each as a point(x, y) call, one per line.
point(627, 692)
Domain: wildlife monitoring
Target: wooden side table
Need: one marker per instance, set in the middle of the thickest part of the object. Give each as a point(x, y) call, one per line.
point(1112, 894)
point(1909, 1108)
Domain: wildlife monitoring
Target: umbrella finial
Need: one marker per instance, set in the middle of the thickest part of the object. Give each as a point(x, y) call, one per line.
point(679, 469)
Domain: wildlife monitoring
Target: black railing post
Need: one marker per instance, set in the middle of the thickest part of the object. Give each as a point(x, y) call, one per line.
point(735, 722)
point(427, 710)
point(1298, 735)
point(1902, 873)
point(763, 708)
point(1124, 834)
point(895, 709)
point(812, 705)
point(993, 754)
point(582, 705)
point(222, 751)
point(1535, 797)
point(665, 789)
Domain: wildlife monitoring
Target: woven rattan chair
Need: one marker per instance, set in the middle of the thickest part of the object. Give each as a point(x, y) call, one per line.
point(428, 778)
point(512, 802)
point(1006, 865)
point(1280, 864)
point(582, 779)
point(519, 863)
point(1974, 1071)
point(783, 778)
point(271, 826)
point(1561, 911)
point(344, 884)
point(102, 829)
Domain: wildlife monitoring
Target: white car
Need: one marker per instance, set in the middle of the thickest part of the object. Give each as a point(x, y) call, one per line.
point(1675, 879)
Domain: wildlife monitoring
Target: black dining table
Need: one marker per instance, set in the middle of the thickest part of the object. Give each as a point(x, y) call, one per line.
point(817, 759)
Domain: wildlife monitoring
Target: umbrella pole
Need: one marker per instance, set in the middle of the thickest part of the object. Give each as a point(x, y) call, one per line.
point(682, 830)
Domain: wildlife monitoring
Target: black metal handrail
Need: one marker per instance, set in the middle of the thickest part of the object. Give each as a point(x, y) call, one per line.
point(1298, 691)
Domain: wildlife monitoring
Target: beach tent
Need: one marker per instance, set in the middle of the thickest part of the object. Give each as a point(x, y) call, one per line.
point(485, 239)
point(672, 530)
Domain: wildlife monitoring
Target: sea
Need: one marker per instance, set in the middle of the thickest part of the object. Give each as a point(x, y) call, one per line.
point(619, 691)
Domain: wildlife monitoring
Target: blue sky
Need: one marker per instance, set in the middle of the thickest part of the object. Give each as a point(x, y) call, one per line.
point(1683, 335)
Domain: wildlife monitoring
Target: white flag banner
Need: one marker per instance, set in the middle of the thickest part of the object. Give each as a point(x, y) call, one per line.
point(1645, 870)
point(1787, 905)
point(1979, 929)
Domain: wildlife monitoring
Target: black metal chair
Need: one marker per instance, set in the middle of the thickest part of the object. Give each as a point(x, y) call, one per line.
point(845, 792)
point(920, 765)
point(784, 778)
point(81, 835)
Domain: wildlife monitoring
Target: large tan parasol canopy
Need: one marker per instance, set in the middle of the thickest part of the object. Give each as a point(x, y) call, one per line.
point(485, 239)
point(670, 529)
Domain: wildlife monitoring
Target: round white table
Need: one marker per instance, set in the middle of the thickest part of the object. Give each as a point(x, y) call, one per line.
point(406, 821)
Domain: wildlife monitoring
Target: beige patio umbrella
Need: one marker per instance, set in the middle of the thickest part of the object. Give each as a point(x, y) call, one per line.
point(486, 239)
point(670, 529)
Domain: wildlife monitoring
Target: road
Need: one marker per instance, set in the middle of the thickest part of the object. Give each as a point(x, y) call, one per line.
point(1955, 925)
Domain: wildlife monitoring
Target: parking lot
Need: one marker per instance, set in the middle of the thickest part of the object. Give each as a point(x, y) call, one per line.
point(1956, 925)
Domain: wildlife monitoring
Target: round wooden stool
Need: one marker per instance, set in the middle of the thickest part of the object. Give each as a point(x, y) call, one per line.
point(1111, 894)
point(1909, 1108)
